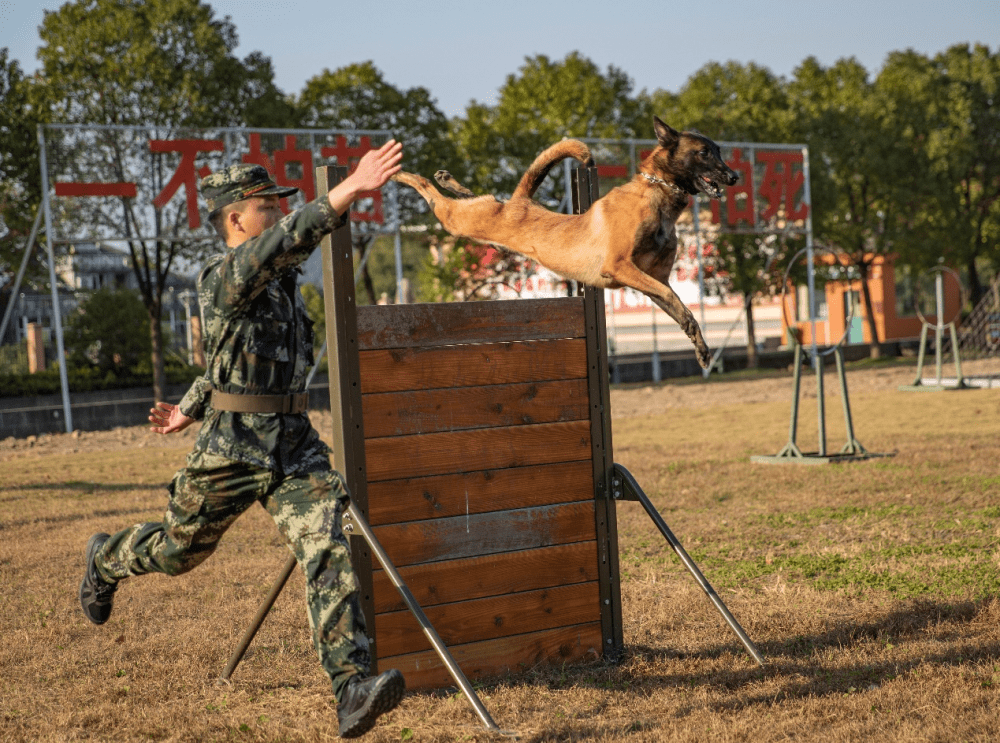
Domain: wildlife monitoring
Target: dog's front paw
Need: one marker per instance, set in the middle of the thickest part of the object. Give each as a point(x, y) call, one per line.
point(704, 357)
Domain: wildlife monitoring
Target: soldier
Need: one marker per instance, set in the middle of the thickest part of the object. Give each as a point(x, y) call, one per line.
point(256, 442)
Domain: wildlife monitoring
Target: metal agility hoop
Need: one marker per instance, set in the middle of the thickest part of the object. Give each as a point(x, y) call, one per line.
point(791, 453)
point(784, 294)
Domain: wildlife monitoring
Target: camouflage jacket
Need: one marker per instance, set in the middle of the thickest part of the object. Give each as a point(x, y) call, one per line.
point(259, 340)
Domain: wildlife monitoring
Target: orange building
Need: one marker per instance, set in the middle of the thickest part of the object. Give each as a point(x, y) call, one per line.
point(893, 295)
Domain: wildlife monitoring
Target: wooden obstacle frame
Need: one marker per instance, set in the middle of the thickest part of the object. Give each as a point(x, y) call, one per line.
point(475, 438)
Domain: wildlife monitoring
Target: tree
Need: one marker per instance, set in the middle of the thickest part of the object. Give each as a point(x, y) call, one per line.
point(730, 102)
point(858, 164)
point(359, 97)
point(20, 180)
point(543, 103)
point(166, 64)
point(109, 330)
point(946, 111)
point(741, 103)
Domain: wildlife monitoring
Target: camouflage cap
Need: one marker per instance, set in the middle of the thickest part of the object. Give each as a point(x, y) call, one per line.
point(239, 182)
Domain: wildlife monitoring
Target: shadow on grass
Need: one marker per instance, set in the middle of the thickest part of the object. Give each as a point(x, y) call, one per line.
point(795, 658)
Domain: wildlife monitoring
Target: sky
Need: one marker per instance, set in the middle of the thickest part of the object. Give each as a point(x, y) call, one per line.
point(463, 50)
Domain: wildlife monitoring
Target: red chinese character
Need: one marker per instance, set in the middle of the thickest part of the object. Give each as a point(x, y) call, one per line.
point(306, 184)
point(735, 212)
point(779, 187)
point(185, 175)
point(277, 166)
point(349, 156)
point(122, 189)
point(256, 156)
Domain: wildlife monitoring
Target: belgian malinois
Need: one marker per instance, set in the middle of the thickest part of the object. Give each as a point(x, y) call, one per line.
point(627, 238)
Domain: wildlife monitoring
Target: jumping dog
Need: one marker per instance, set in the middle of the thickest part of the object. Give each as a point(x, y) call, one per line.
point(626, 238)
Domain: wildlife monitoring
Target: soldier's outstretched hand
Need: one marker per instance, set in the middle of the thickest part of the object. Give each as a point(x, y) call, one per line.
point(168, 418)
point(374, 170)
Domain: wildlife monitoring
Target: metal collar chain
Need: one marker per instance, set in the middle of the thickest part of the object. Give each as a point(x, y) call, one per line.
point(654, 179)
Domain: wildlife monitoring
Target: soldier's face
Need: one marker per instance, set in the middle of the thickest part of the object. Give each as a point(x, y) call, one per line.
point(259, 213)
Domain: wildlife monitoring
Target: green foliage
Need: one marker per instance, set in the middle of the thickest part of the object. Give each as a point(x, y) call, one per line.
point(544, 102)
point(163, 62)
point(382, 263)
point(316, 310)
point(110, 329)
point(14, 358)
point(357, 96)
point(90, 378)
point(20, 176)
point(730, 102)
point(945, 112)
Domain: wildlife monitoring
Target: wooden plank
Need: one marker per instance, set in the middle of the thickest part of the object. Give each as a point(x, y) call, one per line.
point(418, 498)
point(490, 618)
point(490, 575)
point(503, 655)
point(486, 534)
point(409, 326)
point(399, 457)
point(459, 408)
point(403, 369)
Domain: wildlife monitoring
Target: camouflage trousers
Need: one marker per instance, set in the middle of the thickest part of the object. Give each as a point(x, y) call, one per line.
point(208, 495)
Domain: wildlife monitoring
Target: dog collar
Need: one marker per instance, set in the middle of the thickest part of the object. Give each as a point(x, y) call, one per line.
point(654, 179)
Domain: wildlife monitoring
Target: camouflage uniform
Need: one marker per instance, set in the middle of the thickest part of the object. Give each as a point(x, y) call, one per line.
point(259, 340)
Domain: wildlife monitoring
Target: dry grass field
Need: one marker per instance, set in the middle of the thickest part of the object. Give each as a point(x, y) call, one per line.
point(873, 588)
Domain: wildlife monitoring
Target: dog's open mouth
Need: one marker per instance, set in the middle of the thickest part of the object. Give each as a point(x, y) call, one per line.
point(710, 187)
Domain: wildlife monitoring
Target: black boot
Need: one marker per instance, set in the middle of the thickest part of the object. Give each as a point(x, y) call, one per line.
point(364, 700)
point(96, 596)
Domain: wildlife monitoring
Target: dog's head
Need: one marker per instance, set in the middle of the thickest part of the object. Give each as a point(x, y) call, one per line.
point(692, 161)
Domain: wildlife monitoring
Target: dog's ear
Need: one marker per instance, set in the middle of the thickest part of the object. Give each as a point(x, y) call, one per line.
point(665, 135)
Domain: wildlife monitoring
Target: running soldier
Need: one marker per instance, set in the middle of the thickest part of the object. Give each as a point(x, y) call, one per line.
point(256, 443)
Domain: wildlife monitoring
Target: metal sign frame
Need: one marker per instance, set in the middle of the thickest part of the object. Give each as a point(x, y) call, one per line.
point(133, 168)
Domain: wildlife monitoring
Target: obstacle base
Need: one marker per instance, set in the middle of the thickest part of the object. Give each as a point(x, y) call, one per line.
point(852, 451)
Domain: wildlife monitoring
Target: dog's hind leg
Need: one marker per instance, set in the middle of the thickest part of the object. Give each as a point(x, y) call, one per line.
point(422, 186)
point(447, 180)
point(463, 217)
point(626, 272)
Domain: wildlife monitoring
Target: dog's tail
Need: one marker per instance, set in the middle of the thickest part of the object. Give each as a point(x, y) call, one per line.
point(537, 171)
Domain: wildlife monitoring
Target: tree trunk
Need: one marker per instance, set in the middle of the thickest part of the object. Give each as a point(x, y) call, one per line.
point(975, 285)
point(364, 244)
point(156, 337)
point(875, 350)
point(752, 360)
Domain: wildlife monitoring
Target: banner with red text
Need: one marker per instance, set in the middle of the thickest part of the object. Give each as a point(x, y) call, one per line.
point(140, 183)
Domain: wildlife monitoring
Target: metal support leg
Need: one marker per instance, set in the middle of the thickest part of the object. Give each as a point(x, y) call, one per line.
point(959, 379)
point(354, 516)
point(819, 362)
point(853, 446)
point(624, 483)
point(354, 519)
point(791, 449)
point(258, 620)
point(920, 356)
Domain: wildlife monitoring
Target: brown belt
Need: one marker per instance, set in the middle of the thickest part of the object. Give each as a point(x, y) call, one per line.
point(297, 402)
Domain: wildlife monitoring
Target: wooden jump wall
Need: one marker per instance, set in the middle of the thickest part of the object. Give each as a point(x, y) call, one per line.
point(475, 438)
